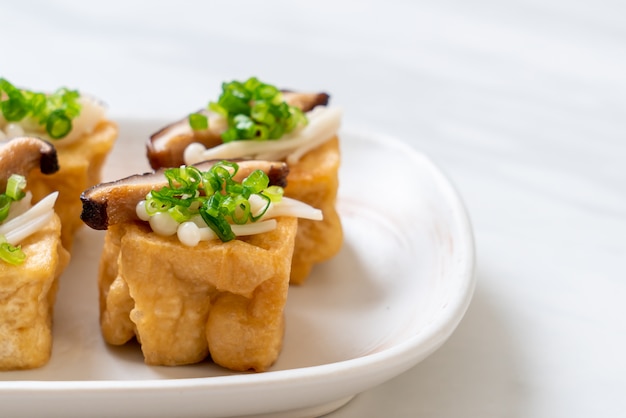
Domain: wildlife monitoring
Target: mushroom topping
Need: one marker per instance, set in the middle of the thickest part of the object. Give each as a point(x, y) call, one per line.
point(305, 101)
point(20, 155)
point(165, 148)
point(18, 218)
point(323, 124)
point(115, 202)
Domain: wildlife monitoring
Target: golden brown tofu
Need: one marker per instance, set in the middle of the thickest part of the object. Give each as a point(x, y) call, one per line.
point(81, 165)
point(27, 296)
point(314, 180)
point(223, 299)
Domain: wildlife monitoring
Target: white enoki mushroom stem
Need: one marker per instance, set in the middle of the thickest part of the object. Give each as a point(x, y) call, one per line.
point(295, 208)
point(190, 234)
point(29, 222)
point(19, 207)
point(286, 207)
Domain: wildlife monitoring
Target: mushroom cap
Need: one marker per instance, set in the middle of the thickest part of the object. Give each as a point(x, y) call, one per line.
point(114, 202)
point(22, 154)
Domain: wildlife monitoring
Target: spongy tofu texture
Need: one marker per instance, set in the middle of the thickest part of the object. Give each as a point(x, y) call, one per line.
point(314, 180)
point(81, 165)
point(27, 295)
point(182, 303)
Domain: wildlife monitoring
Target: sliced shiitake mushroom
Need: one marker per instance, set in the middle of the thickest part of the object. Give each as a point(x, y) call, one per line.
point(305, 101)
point(22, 154)
point(165, 148)
point(112, 203)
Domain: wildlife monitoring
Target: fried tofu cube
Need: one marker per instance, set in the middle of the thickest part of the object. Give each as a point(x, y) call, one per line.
point(81, 164)
point(314, 180)
point(223, 299)
point(27, 296)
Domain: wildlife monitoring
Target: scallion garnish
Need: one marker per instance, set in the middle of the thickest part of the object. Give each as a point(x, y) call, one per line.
point(254, 110)
point(54, 112)
point(10, 253)
point(15, 186)
point(5, 205)
point(14, 192)
point(198, 121)
point(214, 195)
point(58, 124)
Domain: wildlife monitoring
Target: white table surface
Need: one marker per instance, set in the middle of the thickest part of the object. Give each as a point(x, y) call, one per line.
point(521, 103)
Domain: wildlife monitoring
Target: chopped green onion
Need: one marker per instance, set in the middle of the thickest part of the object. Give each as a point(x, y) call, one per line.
point(275, 193)
point(198, 122)
point(58, 124)
point(15, 107)
point(15, 191)
point(254, 110)
point(237, 207)
point(218, 224)
point(11, 254)
point(15, 186)
point(245, 126)
point(5, 205)
point(53, 111)
point(214, 195)
point(252, 84)
point(38, 103)
point(179, 213)
point(261, 113)
point(229, 135)
point(256, 182)
point(214, 107)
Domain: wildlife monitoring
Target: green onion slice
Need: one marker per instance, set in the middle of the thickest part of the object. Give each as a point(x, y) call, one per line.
point(274, 193)
point(14, 192)
point(5, 205)
point(11, 254)
point(58, 124)
point(217, 223)
point(198, 122)
point(15, 186)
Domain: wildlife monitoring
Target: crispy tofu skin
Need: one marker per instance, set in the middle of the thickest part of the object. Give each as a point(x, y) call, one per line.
point(27, 296)
point(81, 165)
point(182, 303)
point(314, 180)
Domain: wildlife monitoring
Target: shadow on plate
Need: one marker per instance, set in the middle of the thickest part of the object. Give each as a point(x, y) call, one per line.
point(477, 372)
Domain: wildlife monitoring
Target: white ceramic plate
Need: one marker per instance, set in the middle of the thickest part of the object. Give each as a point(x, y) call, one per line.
point(393, 295)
